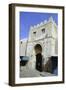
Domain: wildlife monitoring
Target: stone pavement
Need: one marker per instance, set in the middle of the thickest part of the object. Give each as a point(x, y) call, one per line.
point(25, 72)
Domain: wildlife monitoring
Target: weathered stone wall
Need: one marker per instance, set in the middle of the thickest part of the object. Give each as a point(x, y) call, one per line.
point(44, 34)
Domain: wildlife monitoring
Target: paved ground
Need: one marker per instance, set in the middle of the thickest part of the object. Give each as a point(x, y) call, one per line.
point(24, 72)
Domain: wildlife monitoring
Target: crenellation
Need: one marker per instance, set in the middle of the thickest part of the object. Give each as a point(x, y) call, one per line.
point(43, 23)
point(51, 19)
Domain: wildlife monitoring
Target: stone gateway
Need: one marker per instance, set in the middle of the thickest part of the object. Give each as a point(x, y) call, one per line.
point(46, 35)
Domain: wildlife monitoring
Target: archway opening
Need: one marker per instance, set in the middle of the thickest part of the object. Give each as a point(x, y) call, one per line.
point(38, 48)
point(38, 52)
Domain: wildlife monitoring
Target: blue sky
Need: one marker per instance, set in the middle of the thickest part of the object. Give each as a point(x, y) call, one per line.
point(28, 19)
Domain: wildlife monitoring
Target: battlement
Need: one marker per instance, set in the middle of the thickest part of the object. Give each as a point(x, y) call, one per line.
point(43, 23)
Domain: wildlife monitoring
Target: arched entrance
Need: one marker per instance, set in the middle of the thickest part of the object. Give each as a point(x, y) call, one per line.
point(38, 48)
point(38, 52)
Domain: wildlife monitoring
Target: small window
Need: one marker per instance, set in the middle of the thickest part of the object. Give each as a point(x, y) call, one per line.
point(21, 42)
point(43, 30)
point(34, 32)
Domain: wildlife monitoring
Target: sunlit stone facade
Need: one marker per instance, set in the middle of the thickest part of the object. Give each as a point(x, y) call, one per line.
point(45, 34)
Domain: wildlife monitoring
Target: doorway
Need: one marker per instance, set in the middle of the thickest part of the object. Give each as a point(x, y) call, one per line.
point(38, 52)
point(38, 48)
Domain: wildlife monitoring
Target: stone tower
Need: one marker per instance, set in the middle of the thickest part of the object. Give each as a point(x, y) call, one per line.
point(46, 35)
